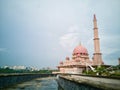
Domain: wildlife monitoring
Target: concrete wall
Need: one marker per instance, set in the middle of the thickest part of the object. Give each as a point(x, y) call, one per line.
point(66, 84)
point(77, 82)
point(8, 80)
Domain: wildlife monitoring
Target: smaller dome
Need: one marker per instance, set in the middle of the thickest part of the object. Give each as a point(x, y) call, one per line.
point(80, 50)
point(61, 62)
point(67, 58)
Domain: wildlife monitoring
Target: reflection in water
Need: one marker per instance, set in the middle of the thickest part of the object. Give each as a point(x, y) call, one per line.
point(48, 83)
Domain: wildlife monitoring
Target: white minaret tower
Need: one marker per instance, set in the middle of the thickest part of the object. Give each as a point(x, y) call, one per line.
point(97, 58)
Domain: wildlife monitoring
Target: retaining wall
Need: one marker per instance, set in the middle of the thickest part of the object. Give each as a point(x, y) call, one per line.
point(74, 82)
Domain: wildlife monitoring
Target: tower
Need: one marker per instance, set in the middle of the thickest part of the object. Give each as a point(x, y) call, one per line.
point(118, 61)
point(97, 56)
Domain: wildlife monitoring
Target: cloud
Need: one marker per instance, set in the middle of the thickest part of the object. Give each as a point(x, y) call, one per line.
point(71, 39)
point(73, 28)
point(110, 44)
point(112, 58)
point(108, 51)
point(68, 39)
point(3, 49)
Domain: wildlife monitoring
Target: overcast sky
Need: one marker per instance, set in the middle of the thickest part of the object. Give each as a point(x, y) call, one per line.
point(42, 33)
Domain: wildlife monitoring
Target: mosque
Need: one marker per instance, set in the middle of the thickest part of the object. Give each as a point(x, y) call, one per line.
point(80, 57)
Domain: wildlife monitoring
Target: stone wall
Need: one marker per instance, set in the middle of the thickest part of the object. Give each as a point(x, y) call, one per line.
point(66, 84)
point(77, 82)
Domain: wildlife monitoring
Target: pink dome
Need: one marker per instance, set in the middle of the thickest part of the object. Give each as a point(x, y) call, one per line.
point(61, 62)
point(80, 49)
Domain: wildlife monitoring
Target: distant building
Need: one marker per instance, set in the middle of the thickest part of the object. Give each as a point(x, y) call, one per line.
point(5, 67)
point(32, 69)
point(119, 61)
point(21, 68)
point(80, 58)
point(18, 67)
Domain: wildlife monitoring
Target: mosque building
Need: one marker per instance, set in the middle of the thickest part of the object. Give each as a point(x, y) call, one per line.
point(80, 57)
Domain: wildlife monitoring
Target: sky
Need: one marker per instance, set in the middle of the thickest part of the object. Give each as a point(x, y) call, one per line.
point(42, 33)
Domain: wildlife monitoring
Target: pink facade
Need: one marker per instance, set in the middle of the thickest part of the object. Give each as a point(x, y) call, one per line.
point(80, 57)
point(78, 63)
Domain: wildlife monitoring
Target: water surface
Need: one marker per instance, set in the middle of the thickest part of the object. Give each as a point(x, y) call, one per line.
point(48, 83)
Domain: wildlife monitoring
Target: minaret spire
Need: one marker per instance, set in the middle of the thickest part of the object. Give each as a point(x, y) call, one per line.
point(97, 58)
point(95, 18)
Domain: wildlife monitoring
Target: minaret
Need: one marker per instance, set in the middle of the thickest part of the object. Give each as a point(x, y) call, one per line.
point(97, 58)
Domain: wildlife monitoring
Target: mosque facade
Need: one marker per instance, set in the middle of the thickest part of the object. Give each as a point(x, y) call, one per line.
point(80, 58)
